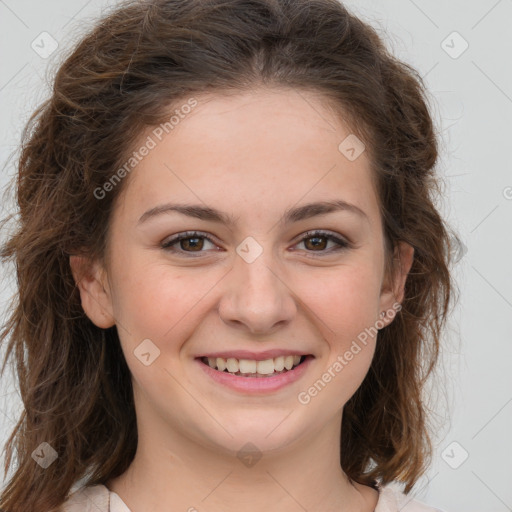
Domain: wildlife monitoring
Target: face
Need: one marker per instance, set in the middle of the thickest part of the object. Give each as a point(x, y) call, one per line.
point(259, 276)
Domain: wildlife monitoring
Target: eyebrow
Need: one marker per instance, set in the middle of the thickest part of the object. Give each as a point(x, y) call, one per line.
point(291, 215)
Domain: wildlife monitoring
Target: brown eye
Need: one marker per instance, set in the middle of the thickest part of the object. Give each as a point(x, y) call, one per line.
point(314, 242)
point(317, 241)
point(195, 245)
point(190, 242)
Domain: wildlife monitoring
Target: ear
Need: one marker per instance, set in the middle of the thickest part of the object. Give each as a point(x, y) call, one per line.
point(91, 279)
point(392, 292)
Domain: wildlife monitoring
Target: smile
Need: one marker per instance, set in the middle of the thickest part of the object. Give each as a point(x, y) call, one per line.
point(253, 368)
point(250, 376)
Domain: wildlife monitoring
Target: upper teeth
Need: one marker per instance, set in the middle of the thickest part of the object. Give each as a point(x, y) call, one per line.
point(265, 367)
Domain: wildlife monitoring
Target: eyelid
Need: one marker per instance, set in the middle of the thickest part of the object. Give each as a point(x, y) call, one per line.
point(183, 236)
point(342, 242)
point(325, 233)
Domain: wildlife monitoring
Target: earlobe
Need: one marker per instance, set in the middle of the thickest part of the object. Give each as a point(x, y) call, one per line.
point(90, 277)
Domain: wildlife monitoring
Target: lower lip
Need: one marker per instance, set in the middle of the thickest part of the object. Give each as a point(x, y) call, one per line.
point(257, 384)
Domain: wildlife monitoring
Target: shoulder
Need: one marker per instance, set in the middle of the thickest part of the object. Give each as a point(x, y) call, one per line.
point(88, 499)
point(393, 500)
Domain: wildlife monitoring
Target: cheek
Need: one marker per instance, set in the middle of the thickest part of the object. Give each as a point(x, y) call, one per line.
point(344, 299)
point(345, 305)
point(162, 302)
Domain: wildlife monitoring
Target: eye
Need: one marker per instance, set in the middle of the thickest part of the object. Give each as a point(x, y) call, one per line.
point(316, 238)
point(193, 242)
point(189, 242)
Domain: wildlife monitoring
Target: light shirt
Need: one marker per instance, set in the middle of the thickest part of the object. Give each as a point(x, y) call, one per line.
point(99, 498)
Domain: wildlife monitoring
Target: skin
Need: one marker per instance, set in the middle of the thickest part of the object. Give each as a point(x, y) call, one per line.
point(252, 155)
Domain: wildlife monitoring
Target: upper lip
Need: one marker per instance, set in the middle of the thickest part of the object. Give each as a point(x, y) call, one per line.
point(257, 356)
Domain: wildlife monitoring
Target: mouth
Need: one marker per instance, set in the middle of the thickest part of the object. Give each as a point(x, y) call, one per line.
point(255, 376)
point(251, 368)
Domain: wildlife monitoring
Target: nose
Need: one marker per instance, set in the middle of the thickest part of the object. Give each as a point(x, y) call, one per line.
point(257, 297)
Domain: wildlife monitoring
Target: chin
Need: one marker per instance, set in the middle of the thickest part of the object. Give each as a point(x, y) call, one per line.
point(265, 432)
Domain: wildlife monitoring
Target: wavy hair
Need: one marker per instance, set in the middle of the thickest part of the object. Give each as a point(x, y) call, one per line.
point(137, 62)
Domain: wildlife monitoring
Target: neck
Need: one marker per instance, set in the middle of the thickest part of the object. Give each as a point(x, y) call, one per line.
point(172, 470)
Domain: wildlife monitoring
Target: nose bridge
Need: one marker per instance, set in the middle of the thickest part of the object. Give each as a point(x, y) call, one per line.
point(257, 296)
point(259, 276)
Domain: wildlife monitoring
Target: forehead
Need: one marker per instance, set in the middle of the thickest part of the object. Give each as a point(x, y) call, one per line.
point(243, 151)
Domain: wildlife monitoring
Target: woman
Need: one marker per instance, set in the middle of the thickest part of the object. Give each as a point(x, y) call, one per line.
point(232, 276)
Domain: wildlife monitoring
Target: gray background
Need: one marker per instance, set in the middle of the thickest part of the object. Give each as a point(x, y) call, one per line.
point(472, 100)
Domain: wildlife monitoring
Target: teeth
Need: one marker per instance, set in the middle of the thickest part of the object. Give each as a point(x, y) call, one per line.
point(250, 366)
point(265, 367)
point(246, 366)
point(232, 365)
point(279, 363)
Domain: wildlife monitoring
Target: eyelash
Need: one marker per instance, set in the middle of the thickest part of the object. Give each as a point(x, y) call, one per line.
point(342, 244)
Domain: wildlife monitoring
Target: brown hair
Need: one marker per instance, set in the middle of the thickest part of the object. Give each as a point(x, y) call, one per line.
point(138, 62)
